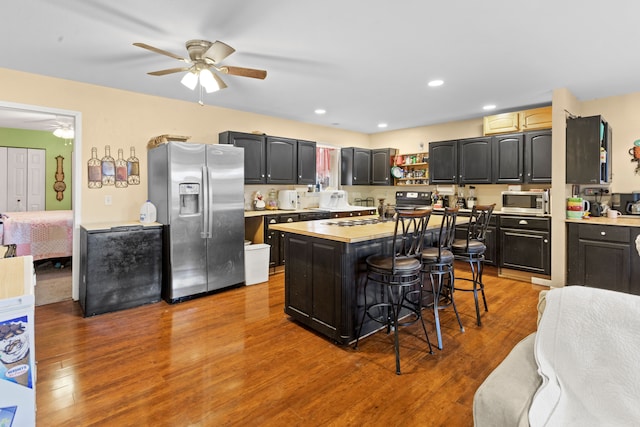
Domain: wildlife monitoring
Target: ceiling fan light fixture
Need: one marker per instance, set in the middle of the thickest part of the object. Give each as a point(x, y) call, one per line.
point(64, 133)
point(190, 80)
point(208, 81)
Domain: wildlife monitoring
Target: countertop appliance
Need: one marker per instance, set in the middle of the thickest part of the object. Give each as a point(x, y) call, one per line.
point(287, 200)
point(337, 201)
point(198, 190)
point(530, 201)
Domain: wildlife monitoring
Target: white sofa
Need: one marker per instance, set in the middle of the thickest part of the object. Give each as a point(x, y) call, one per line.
point(579, 369)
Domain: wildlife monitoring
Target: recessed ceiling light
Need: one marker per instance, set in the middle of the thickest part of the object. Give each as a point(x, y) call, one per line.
point(382, 125)
point(489, 107)
point(435, 83)
point(320, 111)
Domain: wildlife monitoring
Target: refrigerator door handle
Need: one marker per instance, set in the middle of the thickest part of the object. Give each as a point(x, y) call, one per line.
point(209, 202)
point(205, 195)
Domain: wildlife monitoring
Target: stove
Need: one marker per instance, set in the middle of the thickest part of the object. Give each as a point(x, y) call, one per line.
point(413, 199)
point(353, 222)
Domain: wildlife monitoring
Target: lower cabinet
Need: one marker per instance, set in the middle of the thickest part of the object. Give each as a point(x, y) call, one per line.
point(275, 238)
point(525, 244)
point(120, 267)
point(603, 256)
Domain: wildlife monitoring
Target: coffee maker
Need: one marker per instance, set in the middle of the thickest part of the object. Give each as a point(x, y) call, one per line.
point(627, 203)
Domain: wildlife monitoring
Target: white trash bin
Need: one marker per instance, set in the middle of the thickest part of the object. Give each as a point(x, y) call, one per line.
point(256, 263)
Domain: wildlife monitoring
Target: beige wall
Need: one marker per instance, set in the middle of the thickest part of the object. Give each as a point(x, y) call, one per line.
point(122, 119)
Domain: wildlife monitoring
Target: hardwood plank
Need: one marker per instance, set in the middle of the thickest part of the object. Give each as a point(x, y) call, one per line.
point(235, 358)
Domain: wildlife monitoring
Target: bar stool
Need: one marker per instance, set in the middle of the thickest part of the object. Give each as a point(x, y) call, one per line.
point(400, 277)
point(471, 249)
point(437, 262)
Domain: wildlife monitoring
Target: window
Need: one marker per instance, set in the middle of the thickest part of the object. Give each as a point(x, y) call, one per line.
point(327, 166)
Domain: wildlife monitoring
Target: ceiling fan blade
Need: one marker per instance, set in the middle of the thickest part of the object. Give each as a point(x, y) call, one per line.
point(218, 51)
point(160, 51)
point(221, 83)
point(168, 71)
point(244, 72)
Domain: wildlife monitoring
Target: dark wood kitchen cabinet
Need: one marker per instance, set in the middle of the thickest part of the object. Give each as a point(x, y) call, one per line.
point(464, 161)
point(282, 158)
point(537, 156)
point(274, 160)
point(525, 243)
point(522, 158)
point(443, 162)
point(306, 162)
point(603, 256)
point(381, 159)
point(355, 166)
point(254, 154)
point(588, 150)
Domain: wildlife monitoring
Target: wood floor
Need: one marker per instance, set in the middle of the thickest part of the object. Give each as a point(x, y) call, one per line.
point(235, 358)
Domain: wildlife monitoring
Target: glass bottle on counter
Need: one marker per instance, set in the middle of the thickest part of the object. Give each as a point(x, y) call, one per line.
point(133, 168)
point(95, 169)
point(272, 200)
point(108, 167)
point(121, 170)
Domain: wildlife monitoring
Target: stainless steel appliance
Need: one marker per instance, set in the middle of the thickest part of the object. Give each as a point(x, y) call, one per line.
point(532, 202)
point(198, 190)
point(413, 199)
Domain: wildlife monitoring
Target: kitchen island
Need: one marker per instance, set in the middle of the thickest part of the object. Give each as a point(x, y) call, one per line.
point(325, 272)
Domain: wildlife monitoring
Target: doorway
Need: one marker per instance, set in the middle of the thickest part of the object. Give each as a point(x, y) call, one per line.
point(23, 116)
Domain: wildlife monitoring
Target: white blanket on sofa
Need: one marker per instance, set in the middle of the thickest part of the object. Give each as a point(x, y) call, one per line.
point(588, 353)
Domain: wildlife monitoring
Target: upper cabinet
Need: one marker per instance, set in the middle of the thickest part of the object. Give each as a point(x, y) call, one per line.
point(362, 166)
point(465, 161)
point(274, 160)
point(518, 121)
point(254, 154)
point(306, 162)
point(282, 160)
point(522, 158)
point(588, 150)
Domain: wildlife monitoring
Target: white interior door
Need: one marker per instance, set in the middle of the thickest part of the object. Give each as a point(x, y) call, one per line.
point(3, 179)
point(36, 167)
point(17, 179)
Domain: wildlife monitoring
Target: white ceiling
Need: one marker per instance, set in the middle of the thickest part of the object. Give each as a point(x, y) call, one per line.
point(364, 61)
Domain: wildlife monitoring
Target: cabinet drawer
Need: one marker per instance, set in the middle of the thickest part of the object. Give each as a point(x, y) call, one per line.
point(525, 223)
point(604, 233)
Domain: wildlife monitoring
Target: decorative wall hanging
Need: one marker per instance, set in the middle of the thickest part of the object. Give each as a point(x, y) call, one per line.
point(109, 171)
point(59, 186)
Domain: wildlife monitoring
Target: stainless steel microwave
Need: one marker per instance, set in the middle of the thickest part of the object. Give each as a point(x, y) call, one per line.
point(531, 202)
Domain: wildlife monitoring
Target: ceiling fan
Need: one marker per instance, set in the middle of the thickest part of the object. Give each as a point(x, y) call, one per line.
point(204, 56)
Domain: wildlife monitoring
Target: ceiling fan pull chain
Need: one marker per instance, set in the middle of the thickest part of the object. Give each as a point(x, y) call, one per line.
point(201, 89)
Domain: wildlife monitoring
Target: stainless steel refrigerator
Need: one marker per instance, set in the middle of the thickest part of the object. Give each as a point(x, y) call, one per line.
point(198, 191)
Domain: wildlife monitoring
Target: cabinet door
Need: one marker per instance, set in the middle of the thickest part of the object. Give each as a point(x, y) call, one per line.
point(605, 265)
point(537, 157)
point(585, 137)
point(281, 160)
point(272, 238)
point(361, 166)
point(501, 123)
point(536, 118)
point(381, 166)
point(254, 154)
point(508, 158)
point(306, 162)
point(474, 161)
point(526, 250)
point(298, 299)
point(346, 166)
point(443, 162)
point(491, 241)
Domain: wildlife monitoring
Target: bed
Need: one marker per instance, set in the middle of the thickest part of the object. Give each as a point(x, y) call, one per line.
point(41, 234)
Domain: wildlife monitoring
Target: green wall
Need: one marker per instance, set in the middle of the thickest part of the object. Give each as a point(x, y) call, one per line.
point(54, 147)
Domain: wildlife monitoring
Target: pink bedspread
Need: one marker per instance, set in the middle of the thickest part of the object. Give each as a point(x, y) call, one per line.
point(42, 234)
